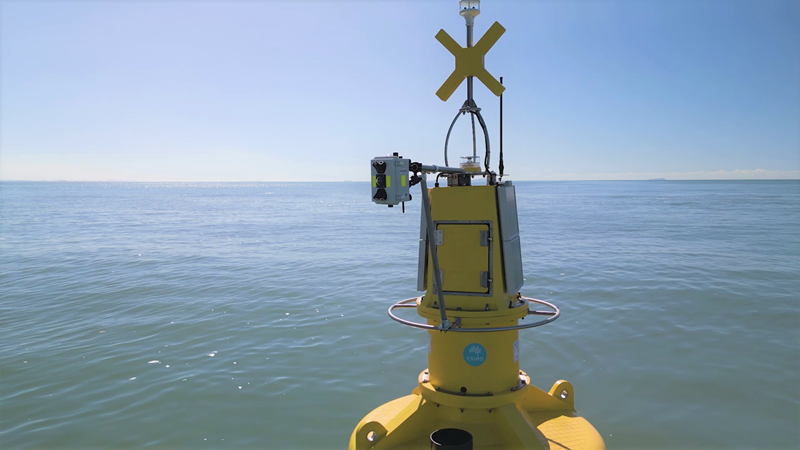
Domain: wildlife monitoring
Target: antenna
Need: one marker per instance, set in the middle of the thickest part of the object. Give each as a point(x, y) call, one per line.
point(500, 165)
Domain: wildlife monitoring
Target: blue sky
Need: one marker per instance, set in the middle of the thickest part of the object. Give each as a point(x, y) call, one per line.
point(235, 91)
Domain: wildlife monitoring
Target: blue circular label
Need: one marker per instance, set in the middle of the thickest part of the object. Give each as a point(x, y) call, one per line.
point(474, 354)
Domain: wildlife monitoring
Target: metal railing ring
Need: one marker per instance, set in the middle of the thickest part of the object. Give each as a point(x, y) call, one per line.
point(412, 303)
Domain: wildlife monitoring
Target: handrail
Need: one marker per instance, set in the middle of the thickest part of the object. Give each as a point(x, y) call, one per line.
point(554, 314)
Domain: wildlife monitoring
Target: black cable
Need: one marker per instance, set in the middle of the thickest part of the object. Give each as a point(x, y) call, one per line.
point(486, 159)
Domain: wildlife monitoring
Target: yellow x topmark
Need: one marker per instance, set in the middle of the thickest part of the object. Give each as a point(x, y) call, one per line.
point(469, 62)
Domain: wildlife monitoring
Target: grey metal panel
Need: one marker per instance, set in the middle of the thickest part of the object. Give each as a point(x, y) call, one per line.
point(509, 233)
point(423, 250)
point(394, 170)
point(507, 208)
point(512, 265)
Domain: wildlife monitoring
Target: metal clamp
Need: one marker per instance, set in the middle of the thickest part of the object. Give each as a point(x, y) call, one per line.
point(412, 303)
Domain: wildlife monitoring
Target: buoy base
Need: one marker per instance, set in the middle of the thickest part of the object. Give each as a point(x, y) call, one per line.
point(524, 418)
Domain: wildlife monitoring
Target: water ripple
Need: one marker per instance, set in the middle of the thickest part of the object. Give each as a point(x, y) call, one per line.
point(680, 314)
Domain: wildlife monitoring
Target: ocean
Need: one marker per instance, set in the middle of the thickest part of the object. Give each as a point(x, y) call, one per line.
point(242, 315)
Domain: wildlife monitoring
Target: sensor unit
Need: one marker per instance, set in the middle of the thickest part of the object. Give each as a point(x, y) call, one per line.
point(390, 180)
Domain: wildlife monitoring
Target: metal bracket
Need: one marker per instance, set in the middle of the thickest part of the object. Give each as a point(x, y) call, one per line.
point(469, 106)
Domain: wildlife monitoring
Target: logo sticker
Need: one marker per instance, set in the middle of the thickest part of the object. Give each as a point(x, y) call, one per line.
point(474, 354)
point(516, 350)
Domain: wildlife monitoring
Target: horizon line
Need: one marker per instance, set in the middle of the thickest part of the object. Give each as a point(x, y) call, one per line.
point(367, 181)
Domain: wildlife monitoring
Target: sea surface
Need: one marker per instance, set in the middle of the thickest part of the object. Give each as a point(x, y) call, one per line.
point(243, 315)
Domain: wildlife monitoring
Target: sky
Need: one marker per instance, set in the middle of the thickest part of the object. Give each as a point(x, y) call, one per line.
point(311, 91)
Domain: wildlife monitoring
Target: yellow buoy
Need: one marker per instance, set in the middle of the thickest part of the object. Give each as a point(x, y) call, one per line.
point(473, 393)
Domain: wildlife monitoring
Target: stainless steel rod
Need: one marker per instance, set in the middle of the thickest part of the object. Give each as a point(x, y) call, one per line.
point(437, 276)
point(441, 169)
point(469, 44)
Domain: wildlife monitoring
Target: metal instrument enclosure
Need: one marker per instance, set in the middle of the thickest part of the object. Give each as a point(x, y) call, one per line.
point(390, 181)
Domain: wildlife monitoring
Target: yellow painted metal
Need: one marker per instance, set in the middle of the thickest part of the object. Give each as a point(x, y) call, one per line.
point(469, 204)
point(449, 371)
point(489, 396)
point(470, 61)
point(527, 418)
point(462, 258)
point(471, 167)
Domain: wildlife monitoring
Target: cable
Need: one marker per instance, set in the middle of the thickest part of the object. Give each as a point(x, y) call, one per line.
point(447, 139)
point(474, 145)
point(487, 158)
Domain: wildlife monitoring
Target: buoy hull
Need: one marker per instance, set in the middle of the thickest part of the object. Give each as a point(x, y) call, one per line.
point(527, 418)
